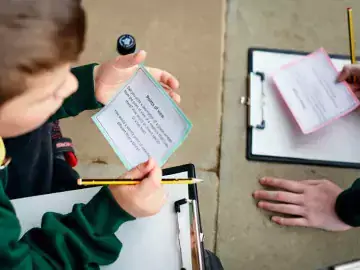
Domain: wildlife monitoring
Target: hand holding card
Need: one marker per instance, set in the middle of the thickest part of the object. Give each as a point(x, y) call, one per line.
point(312, 93)
point(142, 121)
point(347, 74)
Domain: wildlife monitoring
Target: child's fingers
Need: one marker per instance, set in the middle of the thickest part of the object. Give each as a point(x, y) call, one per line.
point(169, 80)
point(175, 96)
point(164, 77)
point(140, 171)
point(279, 196)
point(357, 94)
point(348, 71)
point(295, 221)
point(344, 74)
point(289, 185)
point(130, 60)
point(150, 184)
point(355, 87)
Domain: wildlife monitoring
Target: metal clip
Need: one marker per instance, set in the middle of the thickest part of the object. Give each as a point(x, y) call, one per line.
point(245, 101)
point(257, 102)
point(202, 237)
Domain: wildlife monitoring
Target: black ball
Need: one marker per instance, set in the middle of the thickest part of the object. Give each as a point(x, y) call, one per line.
point(126, 44)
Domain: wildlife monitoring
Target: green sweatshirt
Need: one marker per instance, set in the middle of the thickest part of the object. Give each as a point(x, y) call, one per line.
point(82, 239)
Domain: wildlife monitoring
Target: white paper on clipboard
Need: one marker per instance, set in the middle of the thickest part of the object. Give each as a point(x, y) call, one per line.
point(155, 238)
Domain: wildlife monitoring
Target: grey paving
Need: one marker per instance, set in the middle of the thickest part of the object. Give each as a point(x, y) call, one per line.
point(208, 196)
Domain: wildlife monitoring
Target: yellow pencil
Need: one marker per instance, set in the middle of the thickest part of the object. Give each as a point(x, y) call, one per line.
point(97, 182)
point(351, 37)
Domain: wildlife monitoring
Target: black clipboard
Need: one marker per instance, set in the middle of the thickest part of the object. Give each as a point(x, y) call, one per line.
point(193, 195)
point(274, 159)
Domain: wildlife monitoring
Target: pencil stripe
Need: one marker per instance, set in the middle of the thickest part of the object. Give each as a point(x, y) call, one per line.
point(87, 182)
point(351, 36)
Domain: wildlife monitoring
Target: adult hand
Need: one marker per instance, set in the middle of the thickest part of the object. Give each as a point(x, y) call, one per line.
point(347, 73)
point(311, 203)
point(146, 198)
point(111, 75)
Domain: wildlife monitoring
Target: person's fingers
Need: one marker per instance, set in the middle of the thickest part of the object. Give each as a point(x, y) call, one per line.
point(175, 96)
point(344, 74)
point(164, 77)
point(140, 171)
point(312, 182)
point(290, 209)
point(357, 94)
point(289, 185)
point(300, 222)
point(129, 60)
point(151, 183)
point(355, 87)
point(347, 71)
point(280, 196)
point(160, 197)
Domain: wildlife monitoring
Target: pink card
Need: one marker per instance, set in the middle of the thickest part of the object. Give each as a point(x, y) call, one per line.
point(309, 88)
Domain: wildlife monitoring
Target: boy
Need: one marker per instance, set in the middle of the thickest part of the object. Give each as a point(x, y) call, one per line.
point(40, 39)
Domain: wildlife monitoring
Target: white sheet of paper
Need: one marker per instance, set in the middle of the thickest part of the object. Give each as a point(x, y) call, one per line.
point(142, 121)
point(154, 239)
point(281, 137)
point(310, 90)
point(349, 266)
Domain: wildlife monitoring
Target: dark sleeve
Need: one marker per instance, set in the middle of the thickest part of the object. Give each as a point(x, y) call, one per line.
point(84, 98)
point(347, 205)
point(82, 239)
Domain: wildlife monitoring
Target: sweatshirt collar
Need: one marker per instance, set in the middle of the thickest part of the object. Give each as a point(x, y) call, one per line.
point(2, 151)
point(4, 161)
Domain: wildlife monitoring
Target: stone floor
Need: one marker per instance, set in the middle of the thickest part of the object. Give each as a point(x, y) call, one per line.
point(205, 42)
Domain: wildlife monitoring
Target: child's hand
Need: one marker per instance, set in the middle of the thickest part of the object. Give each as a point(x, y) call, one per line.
point(309, 203)
point(146, 198)
point(111, 75)
point(347, 73)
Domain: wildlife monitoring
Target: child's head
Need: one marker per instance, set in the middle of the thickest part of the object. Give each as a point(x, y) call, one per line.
point(39, 39)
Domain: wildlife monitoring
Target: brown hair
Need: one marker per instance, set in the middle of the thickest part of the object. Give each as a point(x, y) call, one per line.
point(35, 36)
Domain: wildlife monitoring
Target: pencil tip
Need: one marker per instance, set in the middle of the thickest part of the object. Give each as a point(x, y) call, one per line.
point(196, 180)
point(79, 181)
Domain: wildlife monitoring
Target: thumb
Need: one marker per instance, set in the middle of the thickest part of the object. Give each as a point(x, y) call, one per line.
point(151, 183)
point(347, 71)
point(130, 60)
point(344, 74)
point(141, 170)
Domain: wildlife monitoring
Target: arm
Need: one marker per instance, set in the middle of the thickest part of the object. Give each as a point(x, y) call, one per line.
point(110, 76)
point(84, 98)
point(347, 205)
point(308, 203)
point(81, 238)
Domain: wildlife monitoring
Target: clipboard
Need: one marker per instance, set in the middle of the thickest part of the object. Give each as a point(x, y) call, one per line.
point(157, 232)
point(198, 252)
point(272, 134)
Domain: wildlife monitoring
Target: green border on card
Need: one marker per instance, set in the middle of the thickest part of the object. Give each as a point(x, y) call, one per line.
point(161, 89)
point(189, 124)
